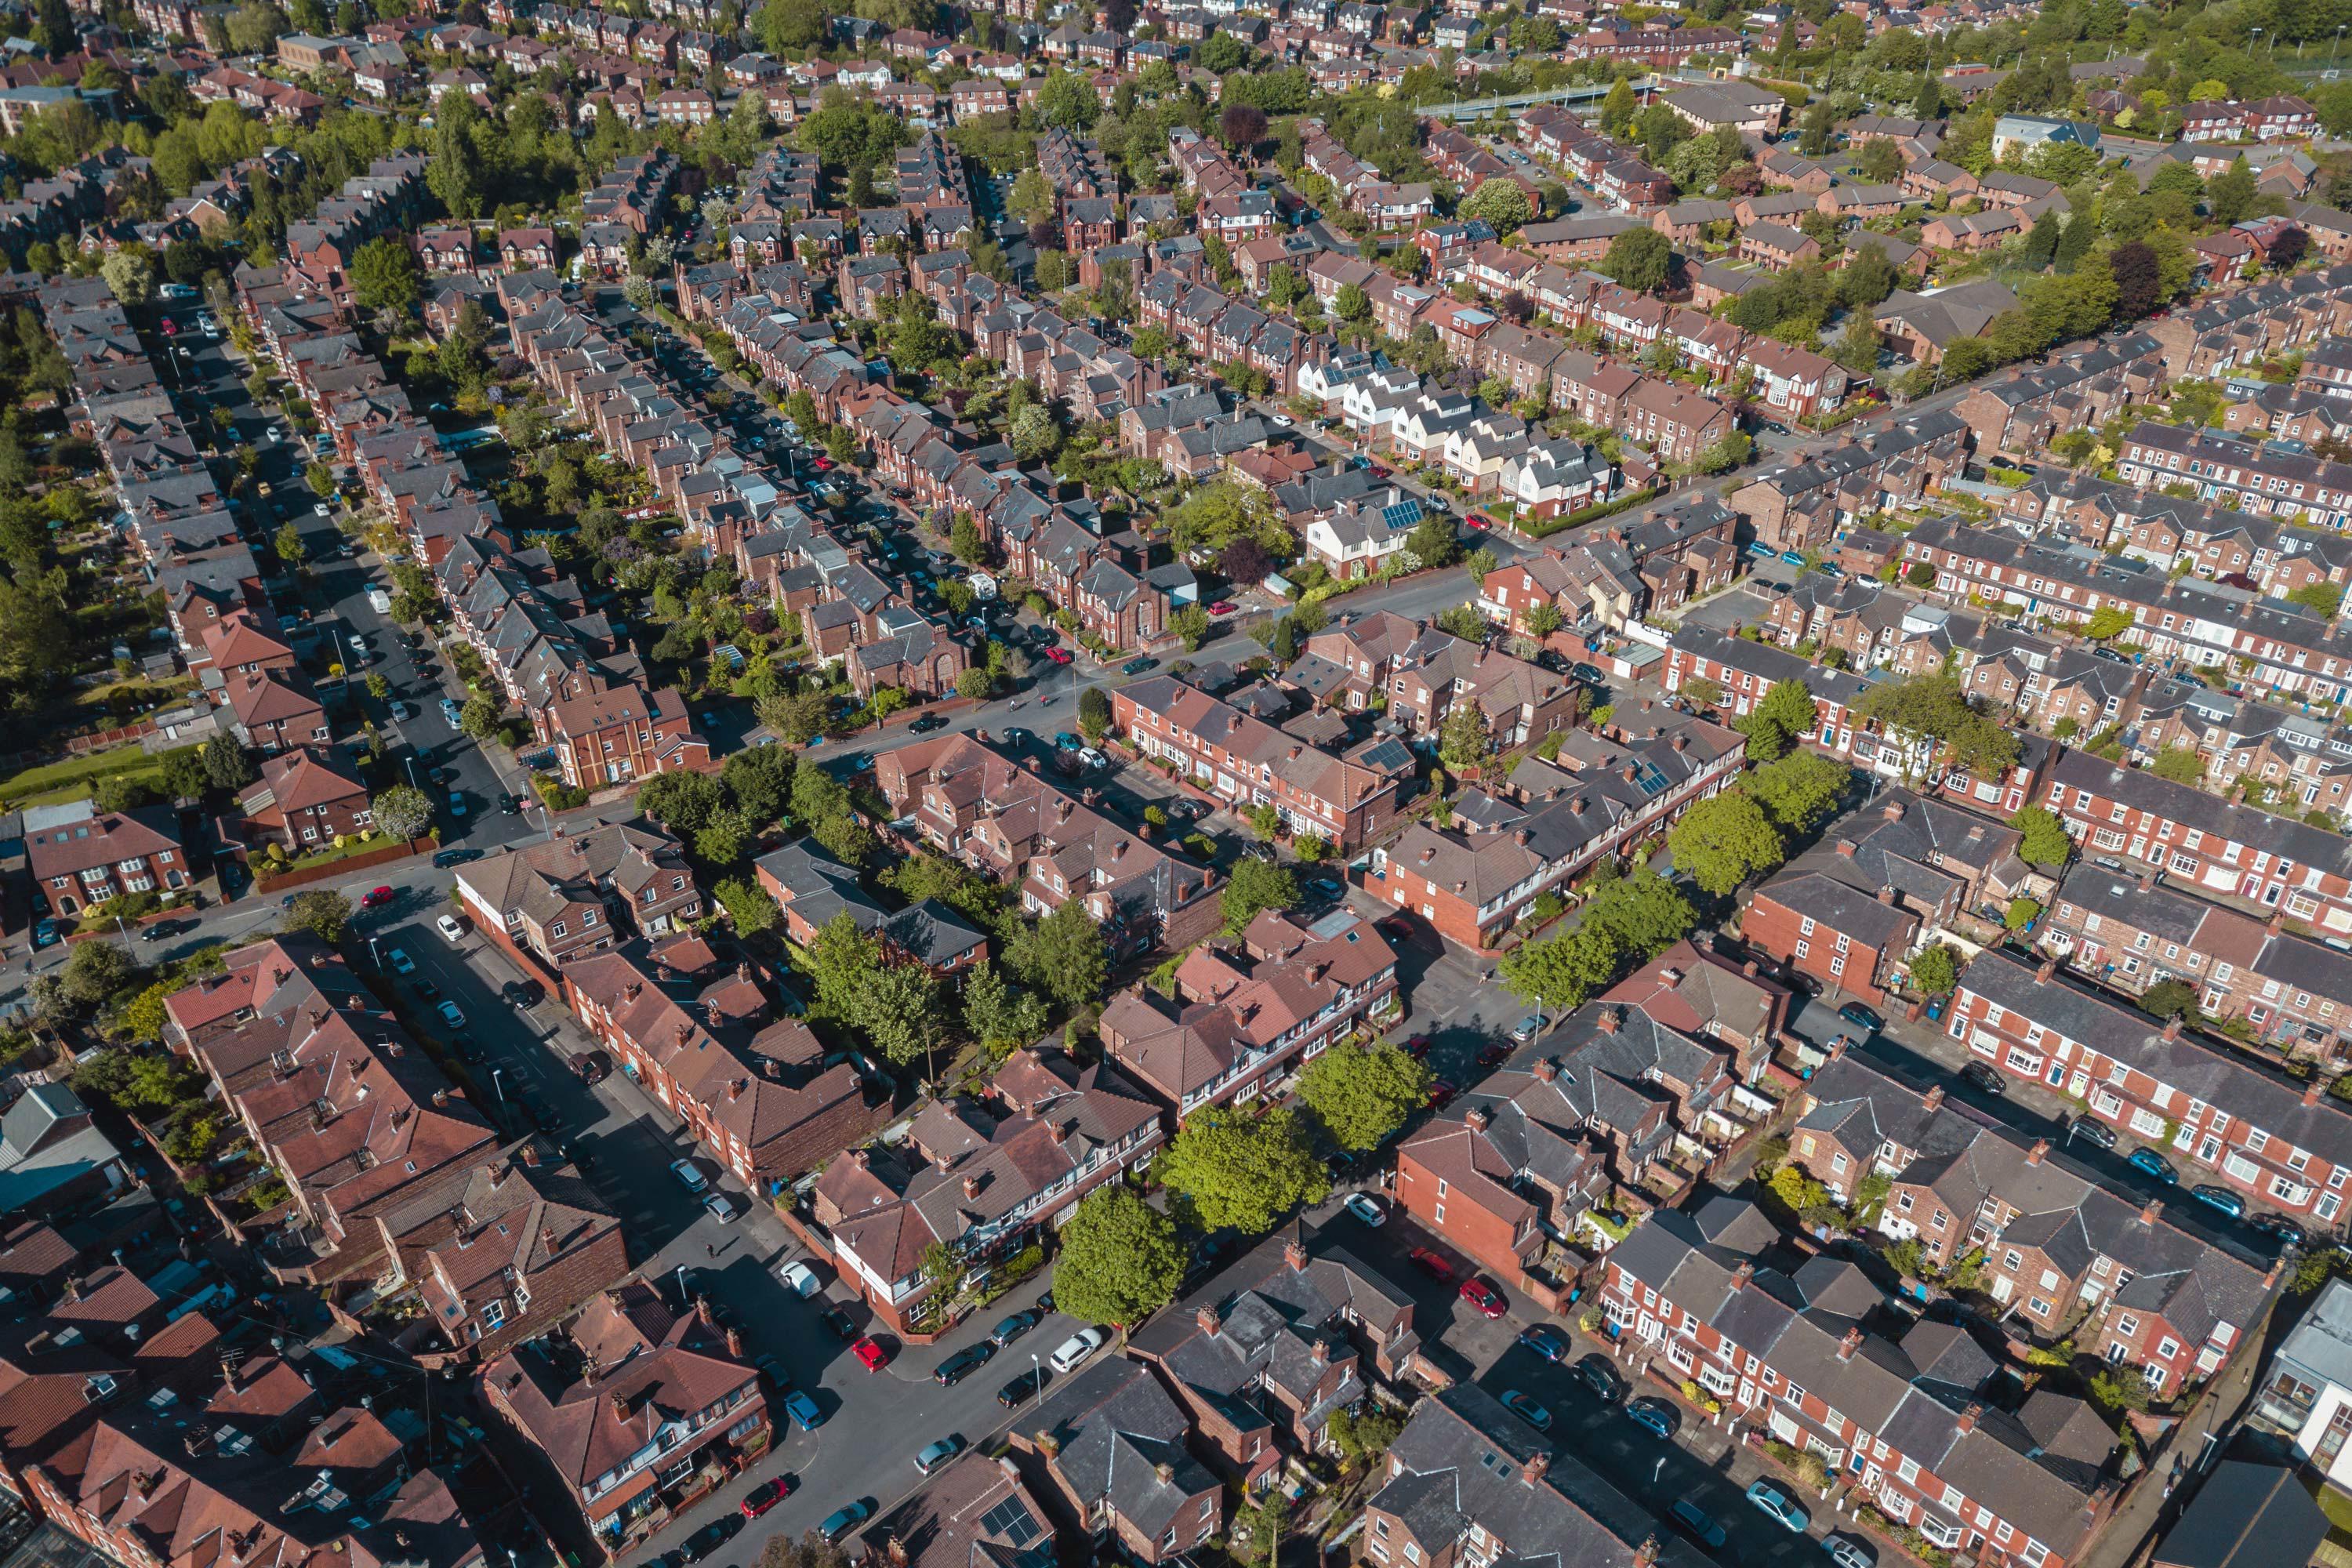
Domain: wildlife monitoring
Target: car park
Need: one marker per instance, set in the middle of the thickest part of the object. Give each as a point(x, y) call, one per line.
point(2155, 1164)
point(1367, 1208)
point(934, 1454)
point(1075, 1349)
point(1527, 1410)
point(1655, 1415)
point(964, 1363)
point(1775, 1504)
point(1544, 1341)
point(1483, 1297)
point(1983, 1076)
point(689, 1176)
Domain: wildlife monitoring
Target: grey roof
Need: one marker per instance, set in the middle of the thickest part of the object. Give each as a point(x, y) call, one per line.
point(46, 1139)
point(2246, 1515)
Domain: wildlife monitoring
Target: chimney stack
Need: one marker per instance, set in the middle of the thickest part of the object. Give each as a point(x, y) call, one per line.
point(1933, 1100)
point(2149, 1211)
point(1533, 1470)
point(1208, 1320)
point(1849, 1344)
point(2038, 1151)
point(1967, 1419)
point(1742, 1275)
point(1845, 847)
point(970, 1187)
point(1752, 969)
point(2048, 971)
point(528, 1153)
point(2172, 1027)
point(2311, 1092)
point(1479, 1118)
point(1294, 1253)
point(1892, 811)
point(1886, 896)
point(1547, 1068)
point(1321, 1352)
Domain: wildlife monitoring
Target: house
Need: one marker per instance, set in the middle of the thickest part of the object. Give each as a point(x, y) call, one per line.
point(2245, 1514)
point(2305, 1392)
point(1109, 1444)
point(1714, 105)
point(53, 1158)
point(977, 1510)
point(83, 859)
point(2032, 132)
point(303, 800)
point(627, 1406)
point(548, 903)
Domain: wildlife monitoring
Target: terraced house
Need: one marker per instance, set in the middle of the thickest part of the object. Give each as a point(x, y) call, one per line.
point(2285, 1143)
point(2067, 1255)
point(1715, 1295)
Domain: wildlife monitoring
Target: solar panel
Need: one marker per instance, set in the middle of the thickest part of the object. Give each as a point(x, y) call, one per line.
point(1010, 1521)
point(1387, 754)
point(1648, 779)
point(1403, 514)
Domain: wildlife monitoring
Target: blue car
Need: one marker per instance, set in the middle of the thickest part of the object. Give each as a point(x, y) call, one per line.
point(1794, 558)
point(1545, 1341)
point(1653, 1416)
point(2155, 1166)
point(2221, 1198)
point(803, 1410)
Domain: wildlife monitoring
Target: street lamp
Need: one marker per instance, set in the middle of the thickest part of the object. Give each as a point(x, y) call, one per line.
point(498, 1083)
point(2337, 53)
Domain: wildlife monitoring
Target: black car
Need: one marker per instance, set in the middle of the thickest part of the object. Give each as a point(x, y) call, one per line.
point(162, 929)
point(1591, 674)
point(2288, 1233)
point(1983, 1076)
point(509, 803)
point(926, 723)
point(542, 1115)
point(712, 1536)
point(1607, 1384)
point(1027, 1386)
point(455, 857)
point(964, 1363)
point(522, 993)
point(1014, 1327)
point(2097, 1134)
point(843, 1327)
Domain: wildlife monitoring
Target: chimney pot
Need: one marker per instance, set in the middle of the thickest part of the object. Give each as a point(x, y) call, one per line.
point(1547, 1068)
point(1892, 811)
point(1967, 1419)
point(1742, 1274)
point(1294, 1253)
point(1845, 847)
point(1887, 895)
point(971, 1187)
point(1534, 1469)
point(2172, 1027)
point(2149, 1211)
point(1849, 1344)
point(1752, 969)
point(1208, 1320)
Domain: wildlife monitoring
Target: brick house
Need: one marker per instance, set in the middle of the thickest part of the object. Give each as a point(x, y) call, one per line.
point(551, 902)
point(303, 801)
point(1114, 1452)
point(79, 864)
point(1816, 920)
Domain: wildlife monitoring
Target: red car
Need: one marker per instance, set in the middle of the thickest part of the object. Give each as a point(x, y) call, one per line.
point(1397, 927)
point(872, 1355)
point(1439, 1092)
point(376, 897)
point(765, 1496)
point(1221, 607)
point(1417, 1046)
point(822, 464)
point(1058, 654)
point(1493, 1056)
point(1479, 520)
point(1379, 472)
point(1430, 1263)
point(1488, 1300)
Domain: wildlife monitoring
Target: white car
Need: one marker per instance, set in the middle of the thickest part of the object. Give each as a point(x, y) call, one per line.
point(322, 509)
point(359, 643)
point(800, 1279)
point(453, 1016)
point(1075, 1349)
point(274, 434)
point(689, 1176)
point(452, 930)
point(721, 1207)
point(400, 963)
point(1367, 1208)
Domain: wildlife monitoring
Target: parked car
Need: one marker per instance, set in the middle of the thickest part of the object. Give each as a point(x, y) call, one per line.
point(1221, 607)
point(721, 1207)
point(1545, 1340)
point(453, 1014)
point(1527, 1410)
point(2155, 1164)
point(1432, 1264)
point(1483, 1299)
point(1983, 1076)
point(837, 1320)
point(2288, 1233)
point(1058, 654)
point(767, 1494)
point(689, 1176)
point(1847, 1552)
point(522, 993)
point(1778, 1505)
point(1014, 1327)
point(2097, 1134)
point(934, 1454)
point(1699, 1524)
point(964, 1363)
point(448, 857)
point(1591, 674)
point(869, 1354)
point(396, 959)
point(849, 1515)
point(376, 898)
point(800, 1279)
point(163, 930)
point(452, 930)
point(1526, 1028)
point(1075, 1349)
point(1027, 1386)
point(1607, 1384)
point(1654, 1415)
point(1439, 1092)
point(2217, 1198)
point(703, 1543)
point(1137, 666)
point(591, 1066)
point(1861, 1018)
point(926, 723)
point(1367, 1208)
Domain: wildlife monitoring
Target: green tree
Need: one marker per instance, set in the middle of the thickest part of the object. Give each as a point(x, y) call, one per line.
point(1361, 1094)
point(1640, 258)
point(749, 907)
point(1773, 725)
point(996, 1016)
point(897, 1005)
point(1192, 624)
point(1800, 791)
point(2045, 842)
point(1121, 1260)
point(2108, 623)
point(401, 811)
point(1244, 1169)
point(2230, 194)
point(1062, 955)
point(965, 541)
point(1257, 885)
point(2169, 999)
point(1617, 110)
point(286, 543)
point(479, 717)
point(1094, 714)
point(320, 479)
point(1935, 971)
point(785, 25)
point(227, 767)
point(1351, 303)
point(1559, 973)
point(2182, 765)
point(1502, 202)
point(2022, 913)
point(1434, 541)
point(2322, 599)
point(322, 914)
point(1724, 840)
point(1464, 740)
point(384, 275)
point(840, 963)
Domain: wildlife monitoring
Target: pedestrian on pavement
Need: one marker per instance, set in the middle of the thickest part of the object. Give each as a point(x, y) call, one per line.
point(710, 1248)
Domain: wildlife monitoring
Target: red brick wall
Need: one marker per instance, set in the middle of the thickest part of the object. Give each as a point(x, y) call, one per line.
point(1774, 928)
point(1478, 1233)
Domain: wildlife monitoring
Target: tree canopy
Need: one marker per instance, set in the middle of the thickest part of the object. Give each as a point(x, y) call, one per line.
point(1244, 1169)
point(1724, 840)
point(1361, 1094)
point(1121, 1260)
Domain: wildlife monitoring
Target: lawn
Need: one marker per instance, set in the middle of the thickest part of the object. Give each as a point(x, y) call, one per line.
point(77, 776)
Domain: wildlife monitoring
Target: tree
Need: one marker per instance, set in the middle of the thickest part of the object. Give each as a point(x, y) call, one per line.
point(1061, 955)
point(1502, 202)
point(1933, 706)
point(1640, 258)
point(965, 541)
point(2139, 280)
point(1936, 971)
point(840, 962)
point(1724, 840)
point(323, 914)
point(1434, 541)
point(975, 684)
point(1773, 725)
point(1617, 110)
point(1361, 1094)
point(1192, 624)
point(1069, 100)
point(1260, 1527)
point(1464, 740)
point(401, 811)
point(1244, 561)
point(320, 479)
point(1121, 1260)
point(1257, 885)
point(1351, 303)
point(479, 718)
point(1242, 126)
point(2230, 194)
point(1244, 1169)
point(749, 907)
point(2108, 623)
point(897, 1005)
point(384, 275)
point(811, 1551)
point(1559, 972)
point(1800, 791)
point(2169, 999)
point(995, 1014)
point(787, 24)
point(2045, 842)
point(2322, 599)
point(130, 273)
point(1859, 345)
point(286, 544)
point(2182, 765)
point(226, 766)
point(1094, 714)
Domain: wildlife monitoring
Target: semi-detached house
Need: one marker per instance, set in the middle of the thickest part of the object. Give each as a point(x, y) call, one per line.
point(2285, 1144)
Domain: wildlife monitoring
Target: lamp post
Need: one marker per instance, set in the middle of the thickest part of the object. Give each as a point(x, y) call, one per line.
point(498, 1083)
point(2337, 53)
